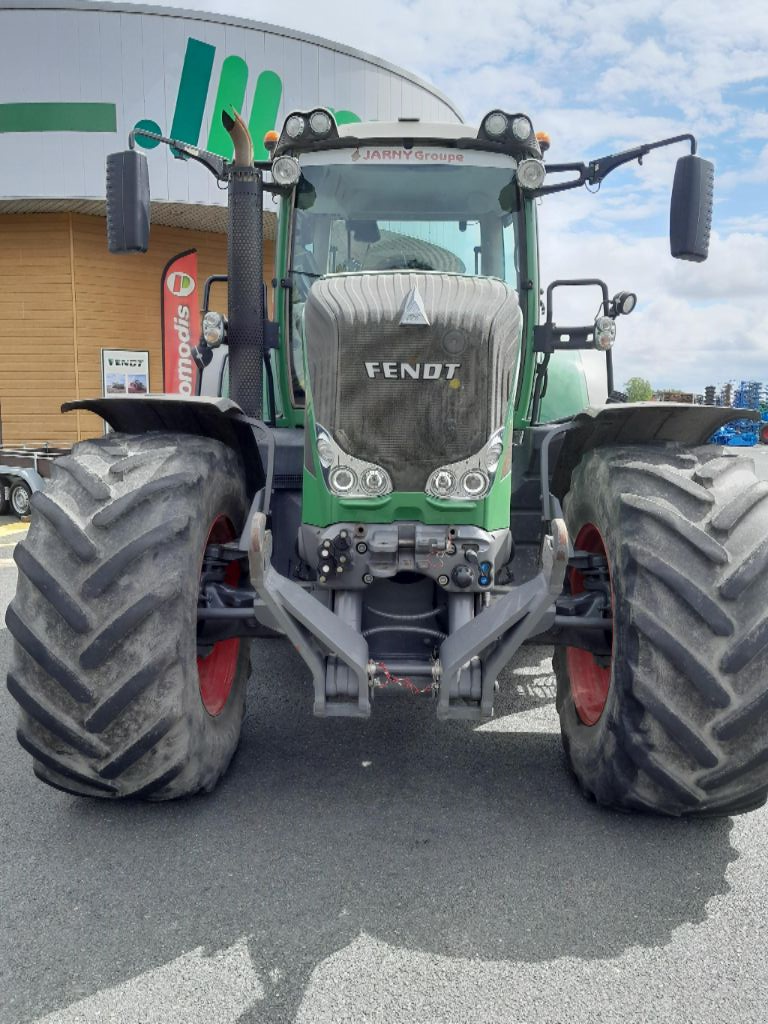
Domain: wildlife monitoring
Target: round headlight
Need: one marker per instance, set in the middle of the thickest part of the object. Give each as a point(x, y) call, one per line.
point(374, 481)
point(326, 450)
point(319, 122)
point(605, 333)
point(342, 480)
point(214, 328)
point(294, 126)
point(441, 483)
point(475, 483)
point(285, 171)
point(496, 123)
point(521, 128)
point(531, 172)
point(624, 302)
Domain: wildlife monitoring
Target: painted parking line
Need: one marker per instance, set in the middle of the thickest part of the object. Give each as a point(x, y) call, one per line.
point(192, 989)
point(11, 529)
point(6, 561)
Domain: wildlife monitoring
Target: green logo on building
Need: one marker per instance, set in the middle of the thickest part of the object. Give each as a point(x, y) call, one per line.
point(58, 117)
point(188, 114)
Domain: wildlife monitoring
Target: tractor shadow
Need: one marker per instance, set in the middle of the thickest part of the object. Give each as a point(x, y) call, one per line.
point(432, 837)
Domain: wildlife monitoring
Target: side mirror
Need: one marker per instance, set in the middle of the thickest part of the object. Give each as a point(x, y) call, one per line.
point(127, 202)
point(690, 214)
point(364, 231)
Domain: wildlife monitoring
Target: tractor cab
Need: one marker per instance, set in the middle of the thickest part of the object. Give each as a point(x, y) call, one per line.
point(392, 199)
point(375, 209)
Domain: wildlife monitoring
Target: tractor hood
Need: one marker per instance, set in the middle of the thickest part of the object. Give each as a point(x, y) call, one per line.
point(411, 371)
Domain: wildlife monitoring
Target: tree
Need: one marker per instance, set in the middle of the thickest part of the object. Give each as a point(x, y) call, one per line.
point(638, 389)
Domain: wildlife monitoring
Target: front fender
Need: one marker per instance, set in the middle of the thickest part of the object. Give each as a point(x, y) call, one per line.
point(201, 415)
point(637, 423)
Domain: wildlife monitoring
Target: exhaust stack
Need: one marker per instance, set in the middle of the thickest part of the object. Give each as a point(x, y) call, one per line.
point(245, 269)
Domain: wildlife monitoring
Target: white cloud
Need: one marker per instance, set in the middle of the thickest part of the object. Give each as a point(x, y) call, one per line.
point(695, 324)
point(754, 174)
point(752, 223)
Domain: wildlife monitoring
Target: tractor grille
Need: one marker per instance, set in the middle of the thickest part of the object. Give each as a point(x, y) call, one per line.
point(361, 358)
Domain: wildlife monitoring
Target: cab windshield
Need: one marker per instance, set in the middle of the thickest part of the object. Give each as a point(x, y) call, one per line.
point(377, 209)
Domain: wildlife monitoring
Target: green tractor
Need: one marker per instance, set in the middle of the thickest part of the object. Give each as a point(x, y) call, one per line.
point(400, 472)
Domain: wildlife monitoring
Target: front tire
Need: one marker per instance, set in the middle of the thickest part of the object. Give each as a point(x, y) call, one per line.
point(114, 701)
point(676, 721)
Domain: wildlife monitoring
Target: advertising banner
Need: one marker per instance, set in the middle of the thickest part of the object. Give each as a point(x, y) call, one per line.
point(180, 314)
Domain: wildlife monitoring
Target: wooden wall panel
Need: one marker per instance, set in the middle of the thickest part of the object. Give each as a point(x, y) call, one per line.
point(63, 298)
point(118, 298)
point(36, 327)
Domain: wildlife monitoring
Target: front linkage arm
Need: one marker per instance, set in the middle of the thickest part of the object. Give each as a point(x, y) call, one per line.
point(318, 633)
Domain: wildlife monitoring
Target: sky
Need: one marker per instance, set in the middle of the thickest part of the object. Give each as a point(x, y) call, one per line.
point(601, 76)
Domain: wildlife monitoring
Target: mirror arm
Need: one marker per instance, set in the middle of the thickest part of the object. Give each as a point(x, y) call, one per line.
point(594, 172)
point(213, 163)
point(561, 186)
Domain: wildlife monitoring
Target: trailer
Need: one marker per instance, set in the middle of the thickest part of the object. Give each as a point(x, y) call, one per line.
point(22, 472)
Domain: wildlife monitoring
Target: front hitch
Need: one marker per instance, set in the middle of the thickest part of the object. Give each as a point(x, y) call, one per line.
point(332, 645)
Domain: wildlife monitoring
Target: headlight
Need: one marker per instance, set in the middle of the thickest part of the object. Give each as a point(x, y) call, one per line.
point(374, 481)
point(304, 129)
point(294, 126)
point(285, 171)
point(342, 480)
point(624, 302)
point(320, 122)
point(531, 172)
point(326, 450)
point(214, 329)
point(347, 476)
point(441, 484)
point(605, 333)
point(471, 479)
point(521, 128)
point(475, 484)
point(494, 450)
point(495, 123)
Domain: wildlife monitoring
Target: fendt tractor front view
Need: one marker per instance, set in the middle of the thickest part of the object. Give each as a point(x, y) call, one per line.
point(400, 472)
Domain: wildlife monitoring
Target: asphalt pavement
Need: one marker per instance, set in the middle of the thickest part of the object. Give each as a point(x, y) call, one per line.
point(395, 870)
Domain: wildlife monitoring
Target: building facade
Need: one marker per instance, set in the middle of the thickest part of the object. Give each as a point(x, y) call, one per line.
point(77, 77)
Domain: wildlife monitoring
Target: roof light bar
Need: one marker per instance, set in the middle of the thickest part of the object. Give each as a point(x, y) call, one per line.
point(304, 128)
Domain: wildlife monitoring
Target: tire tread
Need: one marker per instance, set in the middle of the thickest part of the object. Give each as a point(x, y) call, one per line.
point(687, 730)
point(103, 620)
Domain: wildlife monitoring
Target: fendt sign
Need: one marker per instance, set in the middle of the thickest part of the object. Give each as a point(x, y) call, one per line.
point(80, 76)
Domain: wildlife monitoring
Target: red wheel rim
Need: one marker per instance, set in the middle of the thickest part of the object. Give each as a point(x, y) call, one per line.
point(216, 671)
point(764, 434)
point(590, 681)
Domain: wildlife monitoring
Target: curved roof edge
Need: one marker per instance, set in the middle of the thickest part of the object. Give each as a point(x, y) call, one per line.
point(226, 19)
